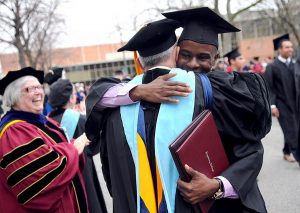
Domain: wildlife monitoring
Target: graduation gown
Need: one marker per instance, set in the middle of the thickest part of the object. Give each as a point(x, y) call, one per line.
point(245, 154)
point(93, 189)
point(280, 79)
point(40, 170)
point(1, 110)
point(297, 80)
point(297, 85)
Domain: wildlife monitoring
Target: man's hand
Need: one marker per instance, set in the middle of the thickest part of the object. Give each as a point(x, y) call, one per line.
point(275, 112)
point(199, 188)
point(160, 90)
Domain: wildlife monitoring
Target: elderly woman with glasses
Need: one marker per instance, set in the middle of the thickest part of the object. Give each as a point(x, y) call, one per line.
point(40, 170)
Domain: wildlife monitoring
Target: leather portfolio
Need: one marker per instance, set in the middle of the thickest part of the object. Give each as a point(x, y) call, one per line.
point(200, 147)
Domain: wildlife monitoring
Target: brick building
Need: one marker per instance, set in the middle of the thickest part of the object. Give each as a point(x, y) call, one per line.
point(258, 29)
point(82, 64)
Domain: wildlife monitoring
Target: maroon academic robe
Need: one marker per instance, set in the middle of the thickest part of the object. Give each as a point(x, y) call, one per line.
point(39, 170)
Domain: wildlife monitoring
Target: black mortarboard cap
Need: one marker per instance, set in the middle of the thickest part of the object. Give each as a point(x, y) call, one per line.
point(233, 54)
point(53, 75)
point(153, 38)
point(201, 25)
point(60, 93)
point(277, 41)
point(14, 75)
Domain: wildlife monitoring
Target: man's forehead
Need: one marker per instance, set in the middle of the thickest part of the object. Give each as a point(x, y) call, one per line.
point(196, 47)
point(286, 43)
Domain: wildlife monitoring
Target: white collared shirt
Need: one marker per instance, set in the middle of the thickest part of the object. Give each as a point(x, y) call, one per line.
point(161, 67)
point(284, 60)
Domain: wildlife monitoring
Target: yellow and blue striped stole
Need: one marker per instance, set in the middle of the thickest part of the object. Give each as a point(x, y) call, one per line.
point(148, 202)
point(171, 120)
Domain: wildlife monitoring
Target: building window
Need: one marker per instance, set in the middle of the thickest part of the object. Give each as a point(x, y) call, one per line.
point(263, 27)
point(93, 75)
point(276, 28)
point(248, 29)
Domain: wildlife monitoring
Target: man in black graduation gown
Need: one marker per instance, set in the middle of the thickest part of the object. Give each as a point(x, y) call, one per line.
point(62, 96)
point(235, 59)
point(240, 109)
point(280, 78)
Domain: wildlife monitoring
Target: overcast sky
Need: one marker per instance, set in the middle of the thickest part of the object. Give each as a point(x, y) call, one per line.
point(89, 22)
point(94, 21)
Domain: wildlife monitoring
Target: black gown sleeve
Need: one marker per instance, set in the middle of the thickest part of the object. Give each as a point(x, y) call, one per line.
point(297, 80)
point(95, 120)
point(241, 105)
point(95, 114)
point(242, 114)
point(246, 159)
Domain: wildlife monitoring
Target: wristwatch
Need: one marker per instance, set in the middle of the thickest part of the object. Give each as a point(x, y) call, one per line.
point(218, 194)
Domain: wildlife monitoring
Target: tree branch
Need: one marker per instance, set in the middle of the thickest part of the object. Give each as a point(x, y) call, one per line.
point(233, 16)
point(216, 6)
point(6, 41)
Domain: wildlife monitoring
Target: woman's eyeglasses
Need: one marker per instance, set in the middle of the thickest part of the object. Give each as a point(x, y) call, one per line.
point(32, 89)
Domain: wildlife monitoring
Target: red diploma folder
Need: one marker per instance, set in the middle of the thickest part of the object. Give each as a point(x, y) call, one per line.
point(200, 147)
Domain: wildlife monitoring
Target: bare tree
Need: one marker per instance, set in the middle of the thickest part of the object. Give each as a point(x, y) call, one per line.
point(157, 7)
point(31, 26)
point(231, 17)
point(285, 14)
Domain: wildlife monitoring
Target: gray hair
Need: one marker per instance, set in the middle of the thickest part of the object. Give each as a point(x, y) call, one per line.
point(154, 60)
point(12, 92)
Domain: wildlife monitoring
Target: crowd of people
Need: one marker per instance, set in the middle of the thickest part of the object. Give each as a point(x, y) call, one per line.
point(234, 61)
point(52, 128)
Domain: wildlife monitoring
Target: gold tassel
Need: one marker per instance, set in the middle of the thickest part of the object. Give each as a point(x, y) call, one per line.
point(138, 68)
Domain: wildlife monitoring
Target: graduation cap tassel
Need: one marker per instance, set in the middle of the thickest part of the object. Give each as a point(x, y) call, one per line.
point(138, 68)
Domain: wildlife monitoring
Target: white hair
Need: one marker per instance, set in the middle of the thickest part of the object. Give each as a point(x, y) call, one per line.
point(154, 60)
point(12, 92)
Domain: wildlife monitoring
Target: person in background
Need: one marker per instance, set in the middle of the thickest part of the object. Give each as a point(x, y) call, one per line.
point(40, 168)
point(280, 78)
point(220, 65)
point(257, 68)
point(80, 98)
point(53, 75)
point(62, 99)
point(236, 60)
point(119, 75)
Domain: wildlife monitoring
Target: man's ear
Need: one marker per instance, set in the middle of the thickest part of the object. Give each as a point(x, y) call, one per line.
point(177, 48)
point(216, 57)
